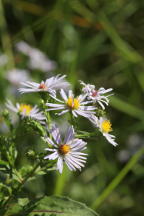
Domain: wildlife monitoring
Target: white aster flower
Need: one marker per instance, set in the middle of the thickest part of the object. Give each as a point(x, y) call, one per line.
point(105, 128)
point(50, 85)
point(16, 76)
point(66, 151)
point(96, 95)
point(26, 110)
point(75, 105)
point(37, 59)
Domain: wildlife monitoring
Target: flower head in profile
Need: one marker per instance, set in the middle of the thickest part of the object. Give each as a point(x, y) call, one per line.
point(96, 95)
point(66, 151)
point(76, 105)
point(50, 85)
point(105, 128)
point(26, 110)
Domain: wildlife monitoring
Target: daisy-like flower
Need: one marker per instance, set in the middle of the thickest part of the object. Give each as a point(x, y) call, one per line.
point(96, 95)
point(105, 128)
point(50, 85)
point(66, 151)
point(76, 105)
point(26, 110)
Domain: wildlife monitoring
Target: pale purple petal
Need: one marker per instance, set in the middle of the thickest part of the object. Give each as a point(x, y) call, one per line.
point(56, 134)
point(69, 134)
point(60, 164)
point(52, 156)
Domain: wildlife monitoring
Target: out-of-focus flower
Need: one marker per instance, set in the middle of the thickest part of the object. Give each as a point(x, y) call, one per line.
point(133, 144)
point(96, 95)
point(75, 105)
point(50, 85)
point(123, 155)
point(16, 76)
point(26, 110)
point(67, 151)
point(37, 59)
point(105, 128)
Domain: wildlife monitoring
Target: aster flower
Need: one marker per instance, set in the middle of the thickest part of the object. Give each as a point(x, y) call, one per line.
point(69, 103)
point(26, 110)
point(37, 59)
point(105, 128)
point(50, 85)
point(96, 95)
point(66, 151)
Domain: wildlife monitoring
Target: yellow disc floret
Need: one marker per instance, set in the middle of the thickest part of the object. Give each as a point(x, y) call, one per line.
point(26, 109)
point(106, 126)
point(73, 103)
point(64, 149)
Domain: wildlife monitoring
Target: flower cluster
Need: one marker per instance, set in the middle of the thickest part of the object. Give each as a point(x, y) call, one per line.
point(60, 98)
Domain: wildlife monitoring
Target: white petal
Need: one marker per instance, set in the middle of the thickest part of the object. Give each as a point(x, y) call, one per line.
point(69, 134)
point(74, 113)
point(54, 105)
point(50, 149)
point(58, 108)
point(69, 164)
point(63, 95)
point(47, 139)
point(10, 106)
point(52, 156)
point(70, 93)
point(63, 112)
point(56, 134)
point(60, 164)
point(110, 139)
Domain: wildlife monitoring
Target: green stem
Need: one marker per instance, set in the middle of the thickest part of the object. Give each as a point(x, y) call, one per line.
point(15, 192)
point(115, 182)
point(45, 98)
point(72, 120)
point(48, 118)
point(61, 180)
point(86, 135)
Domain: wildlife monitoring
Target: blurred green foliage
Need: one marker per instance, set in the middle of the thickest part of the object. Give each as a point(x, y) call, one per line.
point(100, 42)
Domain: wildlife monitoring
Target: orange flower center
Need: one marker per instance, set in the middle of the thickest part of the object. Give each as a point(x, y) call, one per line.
point(64, 149)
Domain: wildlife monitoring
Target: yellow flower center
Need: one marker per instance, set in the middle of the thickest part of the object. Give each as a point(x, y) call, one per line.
point(106, 126)
point(64, 149)
point(73, 103)
point(24, 108)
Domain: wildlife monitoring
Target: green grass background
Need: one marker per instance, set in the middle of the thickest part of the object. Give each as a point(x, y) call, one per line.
point(100, 42)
